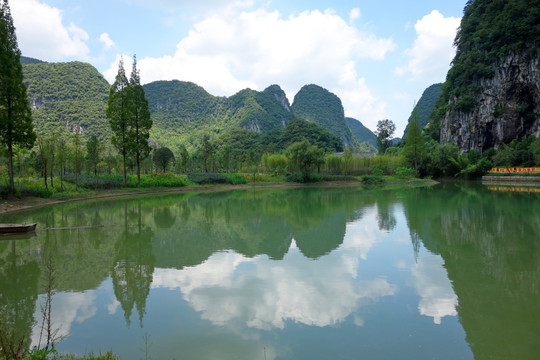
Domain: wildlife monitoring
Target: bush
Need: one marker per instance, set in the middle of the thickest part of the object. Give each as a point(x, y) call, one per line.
point(372, 179)
point(162, 180)
point(236, 179)
point(38, 191)
point(405, 172)
point(209, 178)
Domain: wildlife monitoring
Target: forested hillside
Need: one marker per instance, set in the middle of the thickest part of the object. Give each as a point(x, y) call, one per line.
point(361, 133)
point(320, 106)
point(425, 106)
point(491, 94)
point(66, 97)
point(69, 97)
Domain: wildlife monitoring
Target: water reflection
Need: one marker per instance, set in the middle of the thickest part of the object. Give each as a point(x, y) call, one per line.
point(285, 260)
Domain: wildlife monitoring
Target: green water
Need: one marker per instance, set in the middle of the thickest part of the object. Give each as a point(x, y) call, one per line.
point(444, 272)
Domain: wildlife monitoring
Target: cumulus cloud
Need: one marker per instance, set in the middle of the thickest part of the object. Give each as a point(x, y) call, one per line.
point(433, 50)
point(236, 49)
point(106, 40)
point(41, 33)
point(437, 297)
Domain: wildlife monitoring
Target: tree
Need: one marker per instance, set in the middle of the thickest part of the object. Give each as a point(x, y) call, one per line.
point(207, 151)
point(119, 112)
point(184, 158)
point(15, 113)
point(385, 130)
point(140, 120)
point(93, 152)
point(77, 157)
point(162, 157)
point(414, 149)
point(304, 156)
point(62, 158)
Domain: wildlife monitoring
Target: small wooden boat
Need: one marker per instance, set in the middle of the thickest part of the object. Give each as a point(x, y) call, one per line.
point(17, 228)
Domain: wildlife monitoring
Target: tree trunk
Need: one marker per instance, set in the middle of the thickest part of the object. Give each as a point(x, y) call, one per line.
point(138, 169)
point(124, 165)
point(10, 156)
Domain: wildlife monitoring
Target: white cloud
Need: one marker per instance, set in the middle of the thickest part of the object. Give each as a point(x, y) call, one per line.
point(354, 15)
point(230, 51)
point(106, 40)
point(433, 49)
point(437, 297)
point(272, 293)
point(41, 33)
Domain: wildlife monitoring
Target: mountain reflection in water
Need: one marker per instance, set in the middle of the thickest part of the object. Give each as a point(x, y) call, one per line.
point(274, 269)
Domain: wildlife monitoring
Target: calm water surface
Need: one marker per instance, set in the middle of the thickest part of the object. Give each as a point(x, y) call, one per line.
point(445, 272)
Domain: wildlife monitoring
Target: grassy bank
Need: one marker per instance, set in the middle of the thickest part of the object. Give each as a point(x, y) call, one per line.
point(32, 192)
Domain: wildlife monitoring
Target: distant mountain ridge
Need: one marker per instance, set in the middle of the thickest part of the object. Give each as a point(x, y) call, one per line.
point(73, 96)
point(425, 106)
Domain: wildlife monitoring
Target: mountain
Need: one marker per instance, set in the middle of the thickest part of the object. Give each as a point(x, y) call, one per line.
point(491, 94)
point(29, 60)
point(318, 105)
point(360, 132)
point(68, 97)
point(425, 106)
point(65, 97)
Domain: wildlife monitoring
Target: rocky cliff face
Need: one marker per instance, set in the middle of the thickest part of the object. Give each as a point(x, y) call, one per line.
point(507, 107)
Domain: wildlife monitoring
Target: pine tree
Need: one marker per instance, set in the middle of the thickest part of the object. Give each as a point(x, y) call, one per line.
point(414, 149)
point(15, 114)
point(140, 120)
point(119, 110)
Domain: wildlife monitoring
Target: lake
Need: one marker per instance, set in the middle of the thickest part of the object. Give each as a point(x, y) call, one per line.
point(450, 271)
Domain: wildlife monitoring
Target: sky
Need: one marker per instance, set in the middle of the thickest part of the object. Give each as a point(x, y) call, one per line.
point(376, 56)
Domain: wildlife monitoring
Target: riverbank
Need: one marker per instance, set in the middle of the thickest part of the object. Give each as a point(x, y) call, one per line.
point(16, 204)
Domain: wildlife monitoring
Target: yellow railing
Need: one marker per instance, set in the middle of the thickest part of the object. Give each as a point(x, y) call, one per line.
point(514, 189)
point(515, 170)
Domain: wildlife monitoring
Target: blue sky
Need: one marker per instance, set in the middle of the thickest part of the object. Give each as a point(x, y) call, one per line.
point(377, 56)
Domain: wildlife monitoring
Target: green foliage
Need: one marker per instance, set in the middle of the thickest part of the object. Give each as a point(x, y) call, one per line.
point(298, 129)
point(16, 127)
point(414, 149)
point(236, 179)
point(489, 30)
point(275, 163)
point(317, 105)
point(405, 172)
point(372, 179)
point(425, 106)
point(67, 97)
point(163, 157)
point(305, 157)
point(362, 134)
point(162, 180)
point(209, 178)
point(385, 130)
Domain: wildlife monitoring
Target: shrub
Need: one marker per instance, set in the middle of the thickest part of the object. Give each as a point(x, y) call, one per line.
point(209, 178)
point(236, 179)
point(38, 191)
point(162, 180)
point(405, 172)
point(372, 179)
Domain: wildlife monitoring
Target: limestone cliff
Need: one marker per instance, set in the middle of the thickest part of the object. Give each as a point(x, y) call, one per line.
point(506, 108)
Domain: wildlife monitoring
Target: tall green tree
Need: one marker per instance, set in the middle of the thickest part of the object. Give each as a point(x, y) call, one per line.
point(305, 157)
point(93, 152)
point(141, 123)
point(119, 112)
point(163, 157)
point(415, 148)
point(15, 113)
point(385, 130)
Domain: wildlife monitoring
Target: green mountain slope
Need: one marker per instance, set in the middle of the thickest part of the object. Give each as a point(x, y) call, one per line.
point(318, 105)
point(491, 94)
point(66, 97)
point(361, 132)
point(425, 106)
